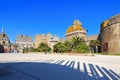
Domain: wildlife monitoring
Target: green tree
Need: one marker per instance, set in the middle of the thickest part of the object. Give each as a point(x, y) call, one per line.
point(76, 41)
point(68, 45)
point(59, 47)
point(43, 47)
point(79, 45)
point(82, 48)
point(93, 44)
point(35, 50)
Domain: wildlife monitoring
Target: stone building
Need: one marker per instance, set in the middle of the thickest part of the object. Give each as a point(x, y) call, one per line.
point(110, 35)
point(89, 38)
point(4, 42)
point(75, 30)
point(46, 38)
point(23, 42)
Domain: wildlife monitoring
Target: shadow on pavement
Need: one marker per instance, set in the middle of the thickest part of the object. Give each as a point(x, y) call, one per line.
point(54, 71)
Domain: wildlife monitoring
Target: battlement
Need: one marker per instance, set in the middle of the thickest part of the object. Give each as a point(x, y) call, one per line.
point(114, 19)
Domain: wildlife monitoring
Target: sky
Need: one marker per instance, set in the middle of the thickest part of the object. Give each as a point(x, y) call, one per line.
point(31, 17)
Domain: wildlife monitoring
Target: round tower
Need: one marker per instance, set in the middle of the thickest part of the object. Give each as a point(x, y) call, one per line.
point(110, 35)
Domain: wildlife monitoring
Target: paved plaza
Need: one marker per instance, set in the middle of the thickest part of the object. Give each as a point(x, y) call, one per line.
point(58, 67)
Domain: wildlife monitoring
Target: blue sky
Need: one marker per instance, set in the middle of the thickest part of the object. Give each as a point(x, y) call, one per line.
point(30, 17)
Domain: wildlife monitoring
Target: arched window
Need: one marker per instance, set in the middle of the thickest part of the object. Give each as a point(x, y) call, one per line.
point(3, 42)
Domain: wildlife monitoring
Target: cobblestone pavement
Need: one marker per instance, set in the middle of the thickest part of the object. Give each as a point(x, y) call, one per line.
point(58, 67)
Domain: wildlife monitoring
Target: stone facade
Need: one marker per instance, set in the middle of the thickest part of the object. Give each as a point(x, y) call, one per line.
point(23, 42)
point(89, 38)
point(110, 35)
point(75, 30)
point(46, 38)
point(4, 42)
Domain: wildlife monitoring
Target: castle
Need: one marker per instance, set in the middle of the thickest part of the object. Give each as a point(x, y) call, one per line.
point(46, 38)
point(77, 30)
point(110, 35)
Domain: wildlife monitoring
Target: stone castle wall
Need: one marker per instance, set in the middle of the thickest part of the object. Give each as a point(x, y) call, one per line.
point(46, 38)
point(89, 38)
point(38, 39)
point(111, 35)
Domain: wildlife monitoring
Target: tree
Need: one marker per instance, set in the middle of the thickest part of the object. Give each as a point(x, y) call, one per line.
point(59, 47)
point(94, 44)
point(79, 45)
point(43, 47)
point(76, 41)
point(35, 50)
point(68, 45)
point(82, 48)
